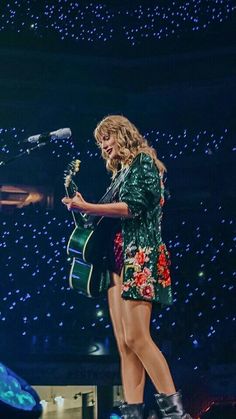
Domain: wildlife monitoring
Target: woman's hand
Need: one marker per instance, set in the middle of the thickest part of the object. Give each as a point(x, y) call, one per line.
point(77, 203)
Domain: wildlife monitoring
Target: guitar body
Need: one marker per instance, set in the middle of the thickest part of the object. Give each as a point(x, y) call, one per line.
point(88, 274)
point(88, 245)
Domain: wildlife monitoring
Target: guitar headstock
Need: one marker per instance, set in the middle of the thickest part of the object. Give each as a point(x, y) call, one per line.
point(71, 171)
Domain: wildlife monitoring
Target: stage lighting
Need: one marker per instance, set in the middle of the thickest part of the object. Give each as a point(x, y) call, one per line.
point(115, 414)
point(17, 398)
point(220, 410)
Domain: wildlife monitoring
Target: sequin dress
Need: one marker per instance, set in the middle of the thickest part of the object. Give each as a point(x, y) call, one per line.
point(146, 259)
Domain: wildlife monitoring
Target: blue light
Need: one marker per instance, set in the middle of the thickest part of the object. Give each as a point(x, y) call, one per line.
point(80, 23)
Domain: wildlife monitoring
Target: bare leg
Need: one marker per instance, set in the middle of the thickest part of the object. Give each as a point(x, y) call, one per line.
point(136, 319)
point(132, 371)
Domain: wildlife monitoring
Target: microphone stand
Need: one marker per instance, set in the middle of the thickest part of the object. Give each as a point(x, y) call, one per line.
point(27, 151)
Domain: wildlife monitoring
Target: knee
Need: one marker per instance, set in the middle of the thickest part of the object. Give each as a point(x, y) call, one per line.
point(136, 342)
point(121, 344)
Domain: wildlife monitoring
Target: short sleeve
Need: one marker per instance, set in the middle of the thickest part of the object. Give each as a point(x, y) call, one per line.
point(142, 186)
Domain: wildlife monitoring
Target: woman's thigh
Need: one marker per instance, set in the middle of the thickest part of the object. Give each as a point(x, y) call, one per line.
point(115, 305)
point(136, 317)
point(130, 318)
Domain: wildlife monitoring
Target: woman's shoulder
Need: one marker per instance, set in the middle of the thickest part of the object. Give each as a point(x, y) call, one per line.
point(143, 157)
point(143, 165)
point(146, 161)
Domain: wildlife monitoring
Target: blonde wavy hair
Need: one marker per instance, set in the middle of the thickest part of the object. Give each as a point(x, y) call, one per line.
point(129, 140)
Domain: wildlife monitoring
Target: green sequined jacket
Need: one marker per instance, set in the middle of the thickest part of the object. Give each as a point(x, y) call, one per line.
point(146, 258)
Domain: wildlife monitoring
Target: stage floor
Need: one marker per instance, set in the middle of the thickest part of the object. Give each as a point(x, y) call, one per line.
point(69, 414)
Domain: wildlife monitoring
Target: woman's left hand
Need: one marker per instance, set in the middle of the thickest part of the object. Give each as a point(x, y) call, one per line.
point(77, 203)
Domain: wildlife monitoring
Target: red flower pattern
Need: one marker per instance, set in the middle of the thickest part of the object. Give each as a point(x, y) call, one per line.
point(162, 266)
point(118, 239)
point(140, 278)
point(148, 291)
point(162, 201)
point(125, 287)
point(140, 257)
point(142, 284)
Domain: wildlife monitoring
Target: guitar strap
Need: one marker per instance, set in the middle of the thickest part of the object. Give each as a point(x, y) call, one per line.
point(114, 186)
point(109, 195)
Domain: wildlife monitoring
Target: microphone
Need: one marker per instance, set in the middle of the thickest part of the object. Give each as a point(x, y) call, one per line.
point(60, 134)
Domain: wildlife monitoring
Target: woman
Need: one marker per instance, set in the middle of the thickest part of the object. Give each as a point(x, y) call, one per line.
point(140, 273)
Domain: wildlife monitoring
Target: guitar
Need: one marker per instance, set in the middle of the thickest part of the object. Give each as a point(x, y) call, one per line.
point(87, 244)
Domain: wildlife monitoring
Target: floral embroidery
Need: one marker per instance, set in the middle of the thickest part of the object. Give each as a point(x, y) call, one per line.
point(148, 291)
point(118, 239)
point(140, 257)
point(118, 252)
point(125, 287)
point(162, 189)
point(163, 264)
point(140, 278)
point(141, 282)
point(162, 201)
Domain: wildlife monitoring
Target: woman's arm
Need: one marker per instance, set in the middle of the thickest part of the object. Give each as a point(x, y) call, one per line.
point(114, 209)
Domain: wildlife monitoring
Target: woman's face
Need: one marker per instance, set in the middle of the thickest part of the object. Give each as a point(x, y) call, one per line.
point(109, 145)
